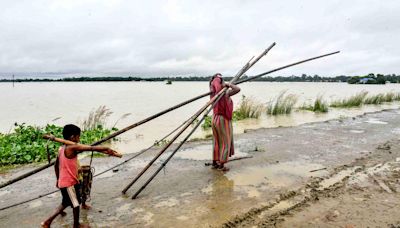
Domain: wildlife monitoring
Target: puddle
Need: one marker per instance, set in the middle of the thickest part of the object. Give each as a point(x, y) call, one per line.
point(336, 178)
point(167, 203)
point(182, 218)
point(277, 175)
point(254, 181)
point(123, 209)
point(357, 131)
point(203, 152)
point(375, 121)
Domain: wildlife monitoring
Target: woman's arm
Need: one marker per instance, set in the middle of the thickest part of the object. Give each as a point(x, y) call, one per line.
point(234, 89)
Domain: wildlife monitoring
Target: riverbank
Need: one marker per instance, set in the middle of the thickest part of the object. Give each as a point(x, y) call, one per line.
point(273, 187)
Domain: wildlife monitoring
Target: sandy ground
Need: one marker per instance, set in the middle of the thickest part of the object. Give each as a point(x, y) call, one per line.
point(357, 183)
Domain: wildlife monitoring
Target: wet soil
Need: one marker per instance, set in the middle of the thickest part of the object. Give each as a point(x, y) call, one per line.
point(354, 182)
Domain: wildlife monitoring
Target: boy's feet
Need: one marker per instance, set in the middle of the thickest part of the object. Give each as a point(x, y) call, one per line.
point(86, 206)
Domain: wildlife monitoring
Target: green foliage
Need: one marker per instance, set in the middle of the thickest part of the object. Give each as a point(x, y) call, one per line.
point(161, 142)
point(319, 105)
point(25, 143)
point(282, 104)
point(353, 101)
point(207, 123)
point(248, 108)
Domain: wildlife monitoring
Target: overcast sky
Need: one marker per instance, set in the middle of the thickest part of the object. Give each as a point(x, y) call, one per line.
point(169, 38)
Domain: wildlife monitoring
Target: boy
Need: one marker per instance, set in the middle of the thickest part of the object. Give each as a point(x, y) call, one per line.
point(66, 168)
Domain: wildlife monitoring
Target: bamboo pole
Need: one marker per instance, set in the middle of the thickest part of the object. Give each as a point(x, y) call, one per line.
point(198, 113)
point(209, 110)
point(68, 142)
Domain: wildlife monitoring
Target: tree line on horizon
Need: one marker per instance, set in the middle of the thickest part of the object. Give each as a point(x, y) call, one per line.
point(366, 79)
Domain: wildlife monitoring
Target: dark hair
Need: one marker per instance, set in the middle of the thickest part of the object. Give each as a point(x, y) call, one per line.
point(214, 76)
point(70, 130)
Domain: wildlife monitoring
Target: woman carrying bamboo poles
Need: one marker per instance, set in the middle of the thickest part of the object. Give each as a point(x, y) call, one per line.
point(222, 122)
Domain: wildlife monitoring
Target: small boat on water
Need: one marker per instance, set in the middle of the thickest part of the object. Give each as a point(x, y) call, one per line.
point(168, 82)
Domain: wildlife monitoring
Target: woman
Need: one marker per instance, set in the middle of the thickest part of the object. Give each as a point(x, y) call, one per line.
point(222, 122)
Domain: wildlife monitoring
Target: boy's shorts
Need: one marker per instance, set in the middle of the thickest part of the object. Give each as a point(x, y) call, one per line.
point(71, 196)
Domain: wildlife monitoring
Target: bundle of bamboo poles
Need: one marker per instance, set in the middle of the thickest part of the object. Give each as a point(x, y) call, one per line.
point(236, 81)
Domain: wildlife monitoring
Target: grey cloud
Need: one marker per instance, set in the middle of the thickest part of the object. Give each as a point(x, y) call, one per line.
point(196, 38)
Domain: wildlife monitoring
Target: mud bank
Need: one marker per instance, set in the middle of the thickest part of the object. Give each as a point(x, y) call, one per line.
point(356, 161)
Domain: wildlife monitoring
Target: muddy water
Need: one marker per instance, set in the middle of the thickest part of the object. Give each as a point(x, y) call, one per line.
point(41, 103)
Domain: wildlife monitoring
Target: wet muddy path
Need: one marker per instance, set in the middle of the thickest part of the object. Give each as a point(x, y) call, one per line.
point(189, 194)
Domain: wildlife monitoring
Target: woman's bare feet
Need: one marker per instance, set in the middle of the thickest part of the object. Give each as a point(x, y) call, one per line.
point(223, 168)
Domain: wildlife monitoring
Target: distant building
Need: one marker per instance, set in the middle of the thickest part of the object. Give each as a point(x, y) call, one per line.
point(365, 80)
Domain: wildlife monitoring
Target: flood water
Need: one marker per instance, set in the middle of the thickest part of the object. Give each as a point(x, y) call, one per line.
point(70, 102)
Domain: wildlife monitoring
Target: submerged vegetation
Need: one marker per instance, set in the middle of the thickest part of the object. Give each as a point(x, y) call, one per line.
point(26, 145)
point(282, 104)
point(319, 105)
point(248, 108)
point(353, 101)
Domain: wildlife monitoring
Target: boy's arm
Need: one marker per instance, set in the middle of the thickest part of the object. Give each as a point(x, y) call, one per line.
point(74, 148)
point(78, 148)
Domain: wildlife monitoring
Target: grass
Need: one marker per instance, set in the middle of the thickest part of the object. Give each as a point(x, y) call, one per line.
point(282, 104)
point(353, 101)
point(25, 144)
point(248, 108)
point(96, 117)
point(319, 105)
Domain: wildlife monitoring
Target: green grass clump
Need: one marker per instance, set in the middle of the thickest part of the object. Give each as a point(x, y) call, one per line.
point(375, 99)
point(282, 104)
point(248, 108)
point(319, 105)
point(353, 101)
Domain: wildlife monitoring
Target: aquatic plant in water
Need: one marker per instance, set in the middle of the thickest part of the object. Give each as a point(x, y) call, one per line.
point(319, 105)
point(248, 108)
point(282, 104)
point(354, 101)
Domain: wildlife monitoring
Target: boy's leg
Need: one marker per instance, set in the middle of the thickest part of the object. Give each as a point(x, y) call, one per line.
point(48, 221)
point(75, 211)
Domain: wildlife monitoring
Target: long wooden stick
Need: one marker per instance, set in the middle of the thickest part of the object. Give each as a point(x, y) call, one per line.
point(198, 113)
point(68, 142)
point(201, 120)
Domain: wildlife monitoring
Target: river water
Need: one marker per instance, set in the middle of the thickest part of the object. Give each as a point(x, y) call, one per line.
point(70, 102)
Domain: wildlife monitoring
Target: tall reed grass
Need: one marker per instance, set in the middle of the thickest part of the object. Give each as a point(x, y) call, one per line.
point(354, 101)
point(319, 105)
point(96, 118)
point(282, 104)
point(248, 108)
